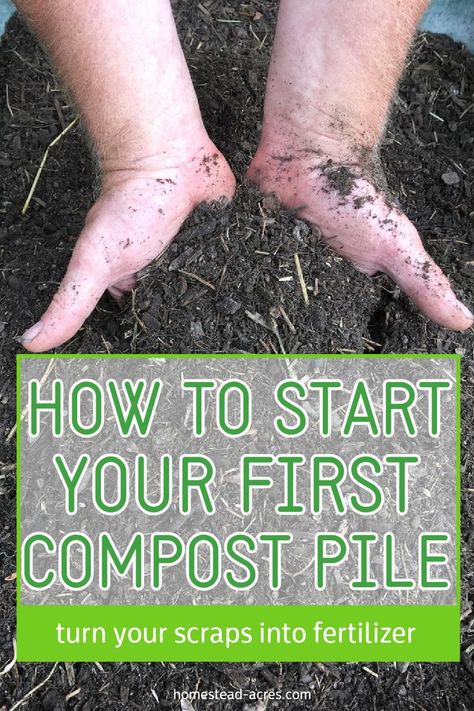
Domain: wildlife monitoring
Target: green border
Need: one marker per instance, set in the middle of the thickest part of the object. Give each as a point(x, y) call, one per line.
point(43, 646)
point(458, 482)
point(281, 356)
point(452, 636)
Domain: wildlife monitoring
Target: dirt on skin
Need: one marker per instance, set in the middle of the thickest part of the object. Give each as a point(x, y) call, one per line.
point(229, 284)
point(339, 178)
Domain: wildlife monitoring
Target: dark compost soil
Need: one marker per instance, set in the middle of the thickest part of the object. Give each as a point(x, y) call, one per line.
point(223, 287)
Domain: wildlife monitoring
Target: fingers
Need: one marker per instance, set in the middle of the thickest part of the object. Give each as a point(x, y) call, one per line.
point(83, 285)
point(390, 243)
point(415, 272)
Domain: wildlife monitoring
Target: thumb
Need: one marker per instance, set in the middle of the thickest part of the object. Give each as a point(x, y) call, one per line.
point(423, 281)
point(83, 285)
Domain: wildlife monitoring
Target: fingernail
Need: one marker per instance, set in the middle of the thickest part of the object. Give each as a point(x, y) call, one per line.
point(31, 333)
point(466, 312)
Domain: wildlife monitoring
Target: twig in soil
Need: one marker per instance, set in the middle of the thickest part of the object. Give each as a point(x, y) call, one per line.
point(11, 664)
point(418, 706)
point(258, 319)
point(134, 310)
point(224, 245)
point(287, 319)
point(59, 112)
point(191, 275)
point(7, 467)
point(7, 97)
point(466, 110)
point(371, 672)
point(29, 64)
point(435, 116)
point(263, 42)
point(71, 676)
point(72, 694)
point(254, 34)
point(155, 696)
point(106, 344)
point(43, 163)
point(299, 271)
point(204, 10)
point(25, 409)
point(277, 334)
point(34, 689)
point(372, 343)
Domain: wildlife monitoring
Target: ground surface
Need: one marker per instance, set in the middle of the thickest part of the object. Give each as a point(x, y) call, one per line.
point(218, 289)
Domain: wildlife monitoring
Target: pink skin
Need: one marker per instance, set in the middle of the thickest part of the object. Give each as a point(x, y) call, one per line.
point(123, 63)
point(132, 223)
point(334, 69)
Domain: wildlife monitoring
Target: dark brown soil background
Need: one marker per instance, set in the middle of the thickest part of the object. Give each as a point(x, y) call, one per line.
point(237, 304)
